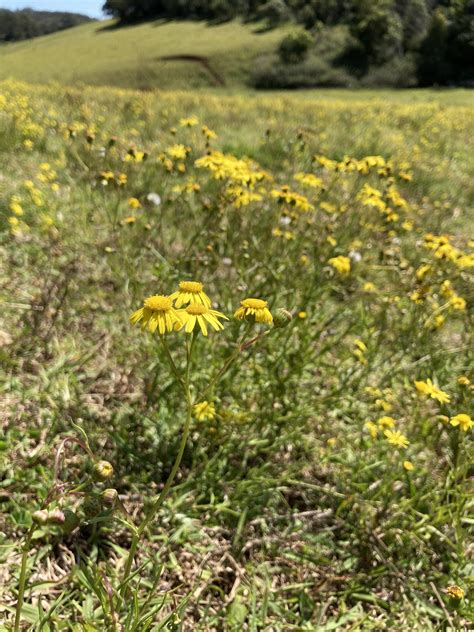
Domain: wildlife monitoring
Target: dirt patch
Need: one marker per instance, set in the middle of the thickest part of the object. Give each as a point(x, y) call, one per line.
point(197, 59)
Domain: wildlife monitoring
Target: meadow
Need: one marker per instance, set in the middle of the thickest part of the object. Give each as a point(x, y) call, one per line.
point(293, 452)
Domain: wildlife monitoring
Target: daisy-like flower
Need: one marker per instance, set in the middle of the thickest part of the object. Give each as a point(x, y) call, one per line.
point(204, 411)
point(341, 264)
point(134, 203)
point(254, 309)
point(386, 422)
point(197, 314)
point(157, 313)
point(429, 389)
point(372, 428)
point(395, 437)
point(190, 292)
point(462, 420)
point(456, 592)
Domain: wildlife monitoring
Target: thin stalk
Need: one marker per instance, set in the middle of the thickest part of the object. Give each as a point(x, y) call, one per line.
point(22, 582)
point(172, 364)
point(230, 360)
point(152, 511)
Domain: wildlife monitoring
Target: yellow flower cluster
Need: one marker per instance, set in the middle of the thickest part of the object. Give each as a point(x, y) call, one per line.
point(190, 308)
point(227, 167)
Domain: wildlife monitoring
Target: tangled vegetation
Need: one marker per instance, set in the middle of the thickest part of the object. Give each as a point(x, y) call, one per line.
point(283, 441)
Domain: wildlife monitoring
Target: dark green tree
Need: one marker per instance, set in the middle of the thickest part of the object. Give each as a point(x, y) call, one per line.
point(433, 67)
point(378, 28)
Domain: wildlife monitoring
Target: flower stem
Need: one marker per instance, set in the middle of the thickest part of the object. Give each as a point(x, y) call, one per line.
point(241, 345)
point(153, 510)
point(22, 582)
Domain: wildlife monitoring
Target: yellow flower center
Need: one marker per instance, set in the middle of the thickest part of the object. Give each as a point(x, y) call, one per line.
point(254, 303)
point(191, 286)
point(158, 303)
point(195, 309)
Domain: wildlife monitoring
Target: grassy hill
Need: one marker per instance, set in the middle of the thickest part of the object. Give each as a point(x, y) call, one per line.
point(134, 56)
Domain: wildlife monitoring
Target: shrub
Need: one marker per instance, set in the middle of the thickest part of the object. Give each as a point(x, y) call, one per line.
point(400, 72)
point(315, 72)
point(274, 11)
point(294, 47)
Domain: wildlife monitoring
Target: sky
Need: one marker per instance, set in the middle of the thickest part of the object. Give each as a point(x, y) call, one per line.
point(87, 7)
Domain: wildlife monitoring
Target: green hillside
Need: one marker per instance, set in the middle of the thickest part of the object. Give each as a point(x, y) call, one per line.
point(133, 56)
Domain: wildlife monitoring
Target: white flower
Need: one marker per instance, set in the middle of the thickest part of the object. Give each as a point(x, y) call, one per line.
point(154, 198)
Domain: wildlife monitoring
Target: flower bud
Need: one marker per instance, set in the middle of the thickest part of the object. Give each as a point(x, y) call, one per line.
point(103, 470)
point(282, 318)
point(40, 516)
point(56, 516)
point(109, 497)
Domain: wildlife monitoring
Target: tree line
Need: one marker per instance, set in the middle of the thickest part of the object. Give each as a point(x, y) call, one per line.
point(438, 33)
point(25, 24)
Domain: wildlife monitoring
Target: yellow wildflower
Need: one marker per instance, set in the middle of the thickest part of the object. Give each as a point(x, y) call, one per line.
point(134, 203)
point(386, 422)
point(462, 420)
point(456, 592)
point(190, 292)
point(384, 405)
point(372, 428)
point(360, 345)
point(157, 313)
point(304, 260)
point(178, 152)
point(204, 411)
point(197, 314)
point(189, 122)
point(395, 437)
point(429, 389)
point(408, 465)
point(341, 264)
point(254, 309)
point(422, 272)
point(457, 302)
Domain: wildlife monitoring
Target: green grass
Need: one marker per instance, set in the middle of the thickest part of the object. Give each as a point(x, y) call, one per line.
point(285, 514)
point(130, 57)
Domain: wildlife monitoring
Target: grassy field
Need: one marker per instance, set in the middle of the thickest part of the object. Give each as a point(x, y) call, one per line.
point(312, 471)
point(98, 54)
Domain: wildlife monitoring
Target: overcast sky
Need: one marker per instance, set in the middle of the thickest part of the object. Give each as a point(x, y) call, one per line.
point(87, 7)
